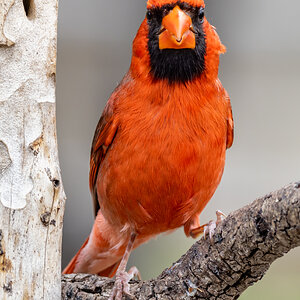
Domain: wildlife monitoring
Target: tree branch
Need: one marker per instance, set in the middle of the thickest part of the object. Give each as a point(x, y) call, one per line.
point(244, 246)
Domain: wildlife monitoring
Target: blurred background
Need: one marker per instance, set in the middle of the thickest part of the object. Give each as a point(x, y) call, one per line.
point(261, 74)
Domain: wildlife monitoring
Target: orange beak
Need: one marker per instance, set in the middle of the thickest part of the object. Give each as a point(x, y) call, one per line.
point(177, 31)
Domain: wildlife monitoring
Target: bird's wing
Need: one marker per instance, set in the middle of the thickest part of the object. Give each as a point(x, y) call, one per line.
point(104, 135)
point(230, 125)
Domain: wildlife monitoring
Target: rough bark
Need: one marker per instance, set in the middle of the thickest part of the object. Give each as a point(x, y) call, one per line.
point(243, 248)
point(31, 193)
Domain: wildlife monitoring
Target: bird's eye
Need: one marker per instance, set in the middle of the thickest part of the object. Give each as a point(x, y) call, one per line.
point(201, 14)
point(149, 15)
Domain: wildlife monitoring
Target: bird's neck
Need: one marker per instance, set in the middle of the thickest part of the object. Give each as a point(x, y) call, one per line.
point(160, 92)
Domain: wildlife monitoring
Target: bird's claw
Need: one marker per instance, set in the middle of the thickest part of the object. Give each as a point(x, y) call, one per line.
point(121, 285)
point(209, 229)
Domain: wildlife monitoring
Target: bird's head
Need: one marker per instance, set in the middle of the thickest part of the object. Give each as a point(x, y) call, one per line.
point(175, 42)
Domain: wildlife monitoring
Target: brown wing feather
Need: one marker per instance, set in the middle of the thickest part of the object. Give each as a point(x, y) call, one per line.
point(104, 136)
point(230, 126)
point(105, 132)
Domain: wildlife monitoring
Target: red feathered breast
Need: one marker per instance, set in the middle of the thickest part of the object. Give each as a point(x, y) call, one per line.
point(167, 157)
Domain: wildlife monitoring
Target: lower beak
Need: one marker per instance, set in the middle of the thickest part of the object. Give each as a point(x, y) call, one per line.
point(177, 31)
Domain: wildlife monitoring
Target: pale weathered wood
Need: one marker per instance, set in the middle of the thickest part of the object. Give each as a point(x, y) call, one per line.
point(31, 193)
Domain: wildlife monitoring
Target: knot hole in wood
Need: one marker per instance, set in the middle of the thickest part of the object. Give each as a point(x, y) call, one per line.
point(29, 8)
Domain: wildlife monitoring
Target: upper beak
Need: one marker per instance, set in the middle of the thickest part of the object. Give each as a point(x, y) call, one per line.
point(177, 31)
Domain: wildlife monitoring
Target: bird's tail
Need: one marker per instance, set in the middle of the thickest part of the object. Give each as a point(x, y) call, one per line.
point(69, 269)
point(101, 253)
point(108, 272)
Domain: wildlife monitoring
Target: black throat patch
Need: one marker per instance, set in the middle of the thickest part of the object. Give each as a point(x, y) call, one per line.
point(176, 65)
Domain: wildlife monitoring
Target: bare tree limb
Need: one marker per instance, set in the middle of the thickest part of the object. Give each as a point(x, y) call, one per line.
point(245, 244)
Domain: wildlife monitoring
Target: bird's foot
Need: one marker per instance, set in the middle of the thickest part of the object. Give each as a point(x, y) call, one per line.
point(121, 285)
point(209, 228)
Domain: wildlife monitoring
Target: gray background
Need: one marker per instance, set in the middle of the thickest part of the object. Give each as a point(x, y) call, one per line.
point(261, 73)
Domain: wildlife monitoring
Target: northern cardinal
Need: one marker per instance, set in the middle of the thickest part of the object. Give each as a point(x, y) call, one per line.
point(158, 152)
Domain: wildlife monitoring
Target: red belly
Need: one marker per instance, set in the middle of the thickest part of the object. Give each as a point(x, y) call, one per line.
point(157, 185)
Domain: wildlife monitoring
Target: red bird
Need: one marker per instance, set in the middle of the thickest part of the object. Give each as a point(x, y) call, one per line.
point(159, 148)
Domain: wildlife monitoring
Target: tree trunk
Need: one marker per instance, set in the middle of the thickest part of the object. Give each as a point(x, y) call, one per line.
point(31, 193)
